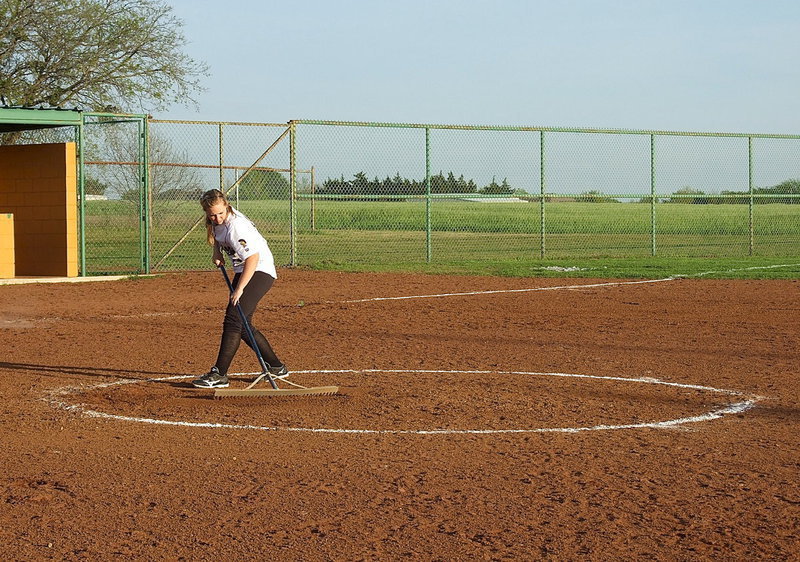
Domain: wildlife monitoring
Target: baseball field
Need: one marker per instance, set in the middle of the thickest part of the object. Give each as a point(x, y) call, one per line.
point(479, 418)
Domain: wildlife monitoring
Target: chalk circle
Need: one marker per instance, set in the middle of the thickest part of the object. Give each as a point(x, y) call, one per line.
point(59, 398)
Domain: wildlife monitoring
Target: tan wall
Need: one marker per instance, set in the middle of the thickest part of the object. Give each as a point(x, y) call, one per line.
point(38, 185)
point(7, 246)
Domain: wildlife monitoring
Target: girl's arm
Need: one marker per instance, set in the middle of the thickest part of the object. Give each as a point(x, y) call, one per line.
point(217, 257)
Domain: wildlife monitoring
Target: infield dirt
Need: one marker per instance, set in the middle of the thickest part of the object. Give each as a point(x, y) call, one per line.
point(449, 441)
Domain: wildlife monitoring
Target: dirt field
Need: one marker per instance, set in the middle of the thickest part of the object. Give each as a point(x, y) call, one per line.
point(528, 420)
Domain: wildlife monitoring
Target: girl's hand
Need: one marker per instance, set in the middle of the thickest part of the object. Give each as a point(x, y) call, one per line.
point(237, 294)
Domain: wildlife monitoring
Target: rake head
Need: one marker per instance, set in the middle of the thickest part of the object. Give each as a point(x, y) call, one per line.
point(273, 392)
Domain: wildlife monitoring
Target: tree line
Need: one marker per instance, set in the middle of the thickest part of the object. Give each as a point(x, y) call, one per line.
point(778, 194)
point(785, 192)
point(398, 185)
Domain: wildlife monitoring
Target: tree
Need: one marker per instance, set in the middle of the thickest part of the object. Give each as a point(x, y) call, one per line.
point(595, 196)
point(689, 195)
point(787, 187)
point(438, 183)
point(264, 184)
point(93, 186)
point(99, 55)
point(498, 189)
point(170, 181)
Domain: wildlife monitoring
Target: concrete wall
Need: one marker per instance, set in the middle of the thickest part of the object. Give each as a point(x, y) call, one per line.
point(38, 185)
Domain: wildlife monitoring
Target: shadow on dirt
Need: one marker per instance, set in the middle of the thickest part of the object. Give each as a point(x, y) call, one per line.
point(52, 370)
point(776, 412)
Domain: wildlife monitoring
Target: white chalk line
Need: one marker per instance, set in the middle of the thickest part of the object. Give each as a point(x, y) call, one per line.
point(497, 291)
point(57, 398)
point(746, 269)
point(731, 409)
point(675, 277)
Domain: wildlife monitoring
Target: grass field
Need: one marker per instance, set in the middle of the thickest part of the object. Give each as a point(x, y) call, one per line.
point(587, 239)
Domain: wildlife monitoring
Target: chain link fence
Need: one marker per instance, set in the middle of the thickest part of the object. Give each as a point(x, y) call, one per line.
point(247, 161)
point(391, 192)
point(327, 193)
point(113, 207)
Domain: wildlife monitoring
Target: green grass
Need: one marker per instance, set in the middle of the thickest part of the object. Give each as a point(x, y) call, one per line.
point(602, 268)
point(596, 239)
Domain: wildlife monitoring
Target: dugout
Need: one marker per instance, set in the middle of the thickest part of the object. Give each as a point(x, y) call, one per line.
point(38, 196)
point(42, 195)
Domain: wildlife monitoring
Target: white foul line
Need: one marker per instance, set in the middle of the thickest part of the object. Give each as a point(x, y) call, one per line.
point(529, 290)
point(55, 398)
point(568, 287)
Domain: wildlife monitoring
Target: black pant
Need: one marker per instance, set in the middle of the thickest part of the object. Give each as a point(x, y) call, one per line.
point(233, 330)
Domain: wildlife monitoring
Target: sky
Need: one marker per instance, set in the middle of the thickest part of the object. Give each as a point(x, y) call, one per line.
point(677, 65)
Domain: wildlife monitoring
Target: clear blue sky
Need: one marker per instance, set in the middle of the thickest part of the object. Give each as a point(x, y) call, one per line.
point(696, 65)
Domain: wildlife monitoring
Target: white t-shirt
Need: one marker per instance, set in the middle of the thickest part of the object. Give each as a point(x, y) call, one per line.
point(239, 238)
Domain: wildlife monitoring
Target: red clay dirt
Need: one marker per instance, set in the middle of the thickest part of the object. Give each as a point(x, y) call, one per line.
point(462, 431)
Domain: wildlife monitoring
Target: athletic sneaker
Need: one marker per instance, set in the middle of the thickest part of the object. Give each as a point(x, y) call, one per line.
point(281, 371)
point(211, 379)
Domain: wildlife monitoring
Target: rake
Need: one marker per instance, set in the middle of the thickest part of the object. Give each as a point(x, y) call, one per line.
point(296, 390)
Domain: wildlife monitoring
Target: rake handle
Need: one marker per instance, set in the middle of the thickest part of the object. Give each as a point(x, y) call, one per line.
point(248, 330)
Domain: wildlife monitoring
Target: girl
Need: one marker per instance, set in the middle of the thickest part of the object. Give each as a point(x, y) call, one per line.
point(231, 232)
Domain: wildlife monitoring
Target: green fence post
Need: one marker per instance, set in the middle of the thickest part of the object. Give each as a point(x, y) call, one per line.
point(313, 200)
point(144, 129)
point(292, 194)
point(142, 198)
point(751, 217)
point(428, 195)
point(541, 195)
point(222, 159)
point(652, 195)
point(81, 198)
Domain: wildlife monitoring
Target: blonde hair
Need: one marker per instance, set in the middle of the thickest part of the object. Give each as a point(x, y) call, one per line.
point(209, 199)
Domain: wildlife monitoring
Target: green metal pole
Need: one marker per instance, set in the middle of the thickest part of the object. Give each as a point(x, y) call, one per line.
point(653, 195)
point(148, 193)
point(81, 199)
point(541, 196)
point(428, 195)
point(751, 218)
point(222, 159)
point(313, 200)
point(292, 194)
point(142, 201)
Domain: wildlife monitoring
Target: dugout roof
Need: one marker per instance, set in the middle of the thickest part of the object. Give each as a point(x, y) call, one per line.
point(18, 118)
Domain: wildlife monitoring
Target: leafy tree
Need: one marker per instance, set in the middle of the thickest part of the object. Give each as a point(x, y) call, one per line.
point(463, 187)
point(438, 183)
point(100, 55)
point(399, 185)
point(595, 196)
point(788, 187)
point(451, 183)
point(93, 186)
point(168, 183)
point(689, 200)
point(360, 184)
point(498, 189)
point(264, 184)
